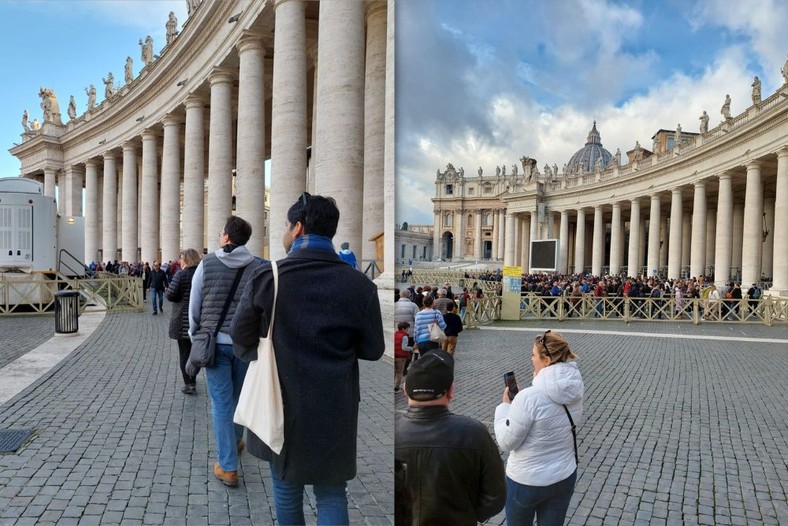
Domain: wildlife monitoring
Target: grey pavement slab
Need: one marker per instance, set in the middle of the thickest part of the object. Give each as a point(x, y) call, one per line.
point(20, 334)
point(116, 442)
point(677, 430)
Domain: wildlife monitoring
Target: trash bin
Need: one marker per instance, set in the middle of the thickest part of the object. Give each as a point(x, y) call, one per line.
point(66, 312)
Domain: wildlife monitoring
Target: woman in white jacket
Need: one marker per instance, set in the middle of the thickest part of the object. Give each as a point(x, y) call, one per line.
point(537, 430)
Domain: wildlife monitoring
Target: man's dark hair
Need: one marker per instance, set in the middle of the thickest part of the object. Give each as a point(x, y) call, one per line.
point(238, 230)
point(318, 214)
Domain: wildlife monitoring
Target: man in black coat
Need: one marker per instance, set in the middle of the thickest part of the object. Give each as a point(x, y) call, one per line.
point(158, 284)
point(327, 318)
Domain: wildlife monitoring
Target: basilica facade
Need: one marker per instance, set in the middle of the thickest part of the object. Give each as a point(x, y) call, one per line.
point(713, 203)
point(168, 154)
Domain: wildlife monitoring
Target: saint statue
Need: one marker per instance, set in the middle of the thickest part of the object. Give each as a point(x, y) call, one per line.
point(784, 71)
point(50, 106)
point(503, 170)
point(677, 136)
point(461, 172)
point(756, 91)
point(726, 108)
point(129, 70)
point(72, 108)
point(109, 86)
point(547, 170)
point(617, 156)
point(598, 165)
point(480, 171)
point(91, 92)
point(497, 171)
point(704, 122)
point(191, 5)
point(146, 49)
point(638, 151)
point(35, 125)
point(555, 169)
point(171, 25)
point(25, 125)
point(514, 170)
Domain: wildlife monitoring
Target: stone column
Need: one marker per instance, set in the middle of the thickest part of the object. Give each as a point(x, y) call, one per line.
point(526, 243)
point(674, 247)
point(73, 194)
point(389, 159)
point(170, 217)
point(194, 175)
point(109, 220)
point(150, 197)
point(61, 192)
point(534, 227)
point(496, 228)
point(780, 258)
point(288, 118)
point(563, 243)
point(642, 244)
point(616, 237)
point(477, 235)
point(767, 259)
point(91, 209)
point(665, 242)
point(653, 236)
point(633, 263)
point(753, 225)
point(130, 241)
point(437, 253)
point(598, 255)
point(698, 249)
point(501, 233)
point(220, 154)
point(738, 235)
point(339, 148)
point(459, 238)
point(686, 239)
point(711, 224)
point(508, 257)
point(580, 241)
point(723, 249)
point(374, 129)
point(250, 147)
point(50, 176)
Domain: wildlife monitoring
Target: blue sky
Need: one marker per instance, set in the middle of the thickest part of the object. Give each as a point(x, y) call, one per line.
point(68, 45)
point(483, 82)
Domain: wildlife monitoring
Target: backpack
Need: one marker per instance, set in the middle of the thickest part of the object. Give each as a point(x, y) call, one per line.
point(756, 293)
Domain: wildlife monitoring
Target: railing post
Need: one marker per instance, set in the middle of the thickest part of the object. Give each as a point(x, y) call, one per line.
point(560, 309)
point(695, 317)
point(767, 310)
point(626, 309)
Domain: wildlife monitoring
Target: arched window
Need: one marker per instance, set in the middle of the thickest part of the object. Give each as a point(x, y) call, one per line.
point(488, 219)
point(470, 220)
point(447, 220)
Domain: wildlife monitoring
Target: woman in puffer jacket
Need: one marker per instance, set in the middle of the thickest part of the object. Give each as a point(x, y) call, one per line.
point(537, 431)
point(178, 292)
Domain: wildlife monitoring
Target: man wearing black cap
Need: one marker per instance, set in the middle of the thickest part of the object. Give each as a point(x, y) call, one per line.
point(454, 469)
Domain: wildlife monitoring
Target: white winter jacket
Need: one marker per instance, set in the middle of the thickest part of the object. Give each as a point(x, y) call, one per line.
point(535, 427)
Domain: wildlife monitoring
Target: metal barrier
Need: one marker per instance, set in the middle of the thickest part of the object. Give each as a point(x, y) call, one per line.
point(35, 293)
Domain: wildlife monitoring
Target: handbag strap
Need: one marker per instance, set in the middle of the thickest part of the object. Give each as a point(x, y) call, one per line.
point(574, 432)
point(275, 270)
point(229, 299)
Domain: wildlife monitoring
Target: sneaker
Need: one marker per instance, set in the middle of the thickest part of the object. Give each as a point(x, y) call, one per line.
point(155, 313)
point(189, 389)
point(228, 478)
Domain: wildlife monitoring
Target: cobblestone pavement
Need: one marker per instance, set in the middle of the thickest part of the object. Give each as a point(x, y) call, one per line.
point(688, 428)
point(20, 334)
point(116, 442)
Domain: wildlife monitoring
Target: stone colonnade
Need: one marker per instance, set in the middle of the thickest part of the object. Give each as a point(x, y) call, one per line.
point(171, 183)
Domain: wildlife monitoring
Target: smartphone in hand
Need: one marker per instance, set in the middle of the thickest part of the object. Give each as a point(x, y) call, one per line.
point(511, 382)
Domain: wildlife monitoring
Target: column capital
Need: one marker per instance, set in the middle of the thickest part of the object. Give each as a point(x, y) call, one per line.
point(171, 120)
point(635, 201)
point(783, 151)
point(194, 101)
point(700, 184)
point(655, 196)
point(130, 146)
point(617, 204)
point(725, 176)
point(674, 191)
point(109, 155)
point(277, 3)
point(221, 75)
point(754, 165)
point(149, 134)
point(91, 163)
point(251, 40)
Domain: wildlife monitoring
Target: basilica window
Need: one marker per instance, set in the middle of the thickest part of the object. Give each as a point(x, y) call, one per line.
point(447, 220)
point(471, 190)
point(488, 189)
point(488, 219)
point(449, 189)
point(470, 220)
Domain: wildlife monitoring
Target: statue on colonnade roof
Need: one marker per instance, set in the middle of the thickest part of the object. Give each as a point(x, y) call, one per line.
point(50, 106)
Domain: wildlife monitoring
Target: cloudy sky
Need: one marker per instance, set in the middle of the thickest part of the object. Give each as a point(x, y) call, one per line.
point(483, 82)
point(68, 45)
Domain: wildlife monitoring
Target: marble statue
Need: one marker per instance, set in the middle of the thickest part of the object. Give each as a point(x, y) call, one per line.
point(677, 136)
point(450, 167)
point(109, 86)
point(146, 49)
point(72, 108)
point(172, 28)
point(129, 70)
point(461, 172)
point(35, 126)
point(497, 171)
point(617, 156)
point(480, 171)
point(50, 106)
point(555, 169)
point(514, 170)
point(503, 169)
point(547, 171)
point(756, 91)
point(91, 92)
point(191, 5)
point(726, 108)
point(704, 122)
point(598, 165)
point(565, 172)
point(25, 125)
point(784, 71)
point(638, 151)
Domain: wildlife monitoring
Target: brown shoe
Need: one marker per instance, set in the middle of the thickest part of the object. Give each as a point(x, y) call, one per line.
point(240, 446)
point(228, 478)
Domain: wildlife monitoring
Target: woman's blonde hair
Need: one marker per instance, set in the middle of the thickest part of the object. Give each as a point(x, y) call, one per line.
point(191, 257)
point(552, 345)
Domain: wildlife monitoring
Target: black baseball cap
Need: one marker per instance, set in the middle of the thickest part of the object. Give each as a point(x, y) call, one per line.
point(430, 376)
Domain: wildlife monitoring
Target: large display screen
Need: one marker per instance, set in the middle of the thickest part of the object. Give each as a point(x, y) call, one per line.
point(544, 255)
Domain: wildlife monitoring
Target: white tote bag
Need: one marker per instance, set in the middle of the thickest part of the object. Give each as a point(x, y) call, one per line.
point(260, 408)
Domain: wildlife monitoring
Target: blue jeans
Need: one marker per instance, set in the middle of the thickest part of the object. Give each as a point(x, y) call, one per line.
point(157, 295)
point(548, 503)
point(225, 379)
point(289, 503)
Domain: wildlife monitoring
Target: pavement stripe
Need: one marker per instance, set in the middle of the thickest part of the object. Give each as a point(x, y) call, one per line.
point(726, 338)
point(22, 372)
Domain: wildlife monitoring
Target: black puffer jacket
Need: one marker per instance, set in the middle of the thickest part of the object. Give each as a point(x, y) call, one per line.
point(454, 469)
point(178, 293)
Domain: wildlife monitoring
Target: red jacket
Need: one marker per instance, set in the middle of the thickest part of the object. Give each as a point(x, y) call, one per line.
point(399, 352)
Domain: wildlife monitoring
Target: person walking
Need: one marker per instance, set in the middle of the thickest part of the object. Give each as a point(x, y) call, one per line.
point(537, 428)
point(421, 331)
point(347, 255)
point(327, 319)
point(402, 352)
point(178, 294)
point(158, 284)
point(453, 328)
point(208, 308)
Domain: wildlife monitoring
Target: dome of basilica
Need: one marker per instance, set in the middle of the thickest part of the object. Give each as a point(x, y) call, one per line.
point(586, 157)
